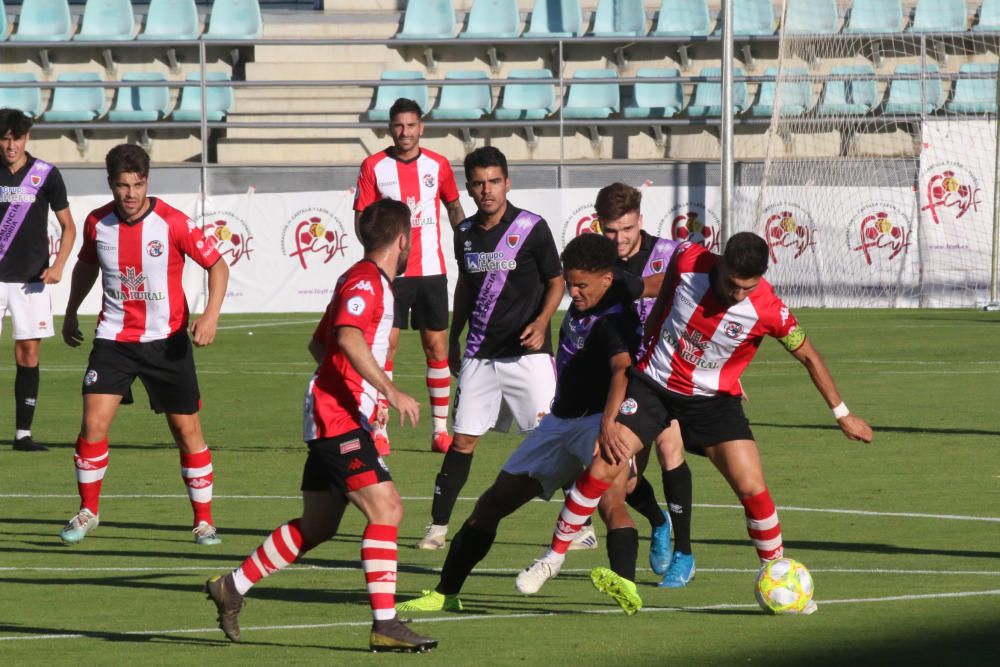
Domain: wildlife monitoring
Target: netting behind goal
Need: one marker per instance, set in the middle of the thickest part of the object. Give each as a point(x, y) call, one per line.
point(878, 183)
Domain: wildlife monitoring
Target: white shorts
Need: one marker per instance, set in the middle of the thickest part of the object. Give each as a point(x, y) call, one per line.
point(556, 452)
point(30, 308)
point(494, 392)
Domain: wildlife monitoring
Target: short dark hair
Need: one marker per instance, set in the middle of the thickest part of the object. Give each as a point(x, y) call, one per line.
point(404, 105)
point(127, 159)
point(382, 222)
point(593, 253)
point(746, 255)
point(14, 121)
point(483, 157)
point(615, 200)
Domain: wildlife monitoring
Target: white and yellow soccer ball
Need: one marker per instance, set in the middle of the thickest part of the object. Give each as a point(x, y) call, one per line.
point(784, 586)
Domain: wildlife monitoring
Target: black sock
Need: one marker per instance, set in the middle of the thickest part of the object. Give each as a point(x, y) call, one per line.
point(677, 491)
point(643, 500)
point(25, 395)
point(448, 484)
point(623, 549)
point(468, 547)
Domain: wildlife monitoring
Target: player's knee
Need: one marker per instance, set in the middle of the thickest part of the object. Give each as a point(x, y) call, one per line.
point(26, 355)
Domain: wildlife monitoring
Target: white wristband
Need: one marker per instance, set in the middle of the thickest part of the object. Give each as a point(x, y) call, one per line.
point(840, 411)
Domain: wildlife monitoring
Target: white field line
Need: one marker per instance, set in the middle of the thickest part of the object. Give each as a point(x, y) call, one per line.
point(261, 325)
point(487, 617)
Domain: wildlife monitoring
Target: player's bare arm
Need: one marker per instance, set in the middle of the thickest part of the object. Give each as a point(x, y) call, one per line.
point(651, 285)
point(455, 213)
point(352, 341)
point(53, 274)
point(533, 336)
point(203, 329)
point(461, 310)
point(853, 426)
point(83, 279)
point(611, 443)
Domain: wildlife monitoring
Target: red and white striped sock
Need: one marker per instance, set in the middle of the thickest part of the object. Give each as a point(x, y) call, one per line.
point(91, 459)
point(581, 501)
point(378, 559)
point(439, 390)
point(196, 471)
point(763, 525)
point(281, 548)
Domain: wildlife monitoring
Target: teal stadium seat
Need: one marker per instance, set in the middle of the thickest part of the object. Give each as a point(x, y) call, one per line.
point(708, 95)
point(683, 18)
point(796, 96)
point(3, 22)
point(28, 100)
point(493, 19)
point(556, 18)
point(525, 101)
point(850, 97)
point(875, 16)
point(387, 94)
point(218, 99)
point(464, 102)
point(428, 19)
point(655, 100)
point(811, 17)
point(592, 100)
point(137, 104)
point(620, 18)
point(975, 95)
point(171, 20)
point(107, 20)
point(989, 16)
point(71, 105)
point(905, 95)
point(753, 17)
point(940, 16)
point(44, 21)
point(235, 19)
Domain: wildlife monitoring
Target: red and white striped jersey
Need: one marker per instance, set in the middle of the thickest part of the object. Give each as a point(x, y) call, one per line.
point(703, 346)
point(421, 184)
point(338, 400)
point(142, 269)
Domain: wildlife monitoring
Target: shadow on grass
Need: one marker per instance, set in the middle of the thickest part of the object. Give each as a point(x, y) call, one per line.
point(882, 428)
point(863, 547)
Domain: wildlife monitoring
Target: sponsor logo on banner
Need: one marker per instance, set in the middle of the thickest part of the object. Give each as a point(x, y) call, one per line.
point(581, 221)
point(691, 221)
point(951, 190)
point(879, 231)
point(313, 236)
point(232, 235)
point(789, 231)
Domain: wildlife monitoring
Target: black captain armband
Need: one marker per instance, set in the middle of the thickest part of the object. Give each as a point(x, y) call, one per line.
point(794, 339)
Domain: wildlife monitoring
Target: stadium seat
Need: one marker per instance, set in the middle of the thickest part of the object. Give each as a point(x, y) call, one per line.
point(3, 22)
point(655, 100)
point(989, 16)
point(524, 100)
point(796, 96)
point(171, 20)
point(556, 18)
point(708, 95)
point(940, 16)
point(844, 98)
point(811, 17)
point(218, 99)
point(387, 94)
point(235, 19)
point(753, 17)
point(975, 95)
point(875, 16)
point(915, 96)
point(428, 19)
point(592, 100)
point(620, 18)
point(44, 21)
point(681, 18)
point(464, 102)
point(493, 19)
point(107, 20)
point(141, 103)
point(76, 104)
point(28, 100)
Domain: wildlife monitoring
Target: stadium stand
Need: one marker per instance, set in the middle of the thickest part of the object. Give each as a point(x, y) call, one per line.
point(235, 19)
point(107, 20)
point(525, 101)
point(682, 18)
point(27, 99)
point(496, 19)
point(796, 96)
point(171, 20)
point(141, 104)
point(940, 16)
point(975, 95)
point(708, 94)
point(811, 17)
point(4, 28)
point(44, 21)
point(850, 97)
point(76, 104)
point(915, 96)
point(753, 17)
point(218, 99)
point(556, 18)
point(428, 19)
point(592, 100)
point(989, 16)
point(389, 93)
point(463, 102)
point(620, 18)
point(655, 100)
point(875, 16)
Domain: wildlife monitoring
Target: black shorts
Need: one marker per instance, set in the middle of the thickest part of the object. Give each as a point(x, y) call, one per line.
point(704, 420)
point(346, 463)
point(165, 367)
point(426, 297)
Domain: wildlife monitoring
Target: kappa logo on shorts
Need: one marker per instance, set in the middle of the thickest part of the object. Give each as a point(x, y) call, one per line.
point(350, 446)
point(355, 464)
point(629, 406)
point(154, 248)
point(90, 379)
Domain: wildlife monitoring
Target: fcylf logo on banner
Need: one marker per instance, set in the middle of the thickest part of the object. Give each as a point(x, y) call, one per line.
point(692, 221)
point(950, 191)
point(313, 235)
point(232, 236)
point(880, 232)
point(789, 231)
point(54, 231)
point(581, 221)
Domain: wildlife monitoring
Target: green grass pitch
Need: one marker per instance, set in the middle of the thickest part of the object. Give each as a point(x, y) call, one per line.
point(902, 536)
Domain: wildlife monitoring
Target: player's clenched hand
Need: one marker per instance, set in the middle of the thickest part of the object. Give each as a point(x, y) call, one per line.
point(52, 275)
point(71, 331)
point(613, 447)
point(533, 336)
point(855, 428)
point(408, 407)
point(203, 330)
point(454, 358)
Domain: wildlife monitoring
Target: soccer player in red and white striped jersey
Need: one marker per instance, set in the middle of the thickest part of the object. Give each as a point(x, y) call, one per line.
point(139, 245)
point(343, 465)
point(421, 179)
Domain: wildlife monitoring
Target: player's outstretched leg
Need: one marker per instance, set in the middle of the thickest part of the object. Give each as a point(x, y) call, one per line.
point(229, 603)
point(618, 588)
point(198, 476)
point(91, 460)
point(447, 485)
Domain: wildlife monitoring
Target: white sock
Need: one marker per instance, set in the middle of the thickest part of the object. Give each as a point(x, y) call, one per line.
point(21, 433)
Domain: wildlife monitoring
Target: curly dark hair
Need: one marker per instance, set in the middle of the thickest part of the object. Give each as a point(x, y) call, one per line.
point(746, 255)
point(593, 253)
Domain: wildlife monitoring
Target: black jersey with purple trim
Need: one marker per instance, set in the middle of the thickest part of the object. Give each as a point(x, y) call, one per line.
point(653, 257)
point(507, 269)
point(28, 254)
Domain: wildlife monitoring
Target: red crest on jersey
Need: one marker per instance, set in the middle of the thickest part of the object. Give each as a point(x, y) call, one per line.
point(657, 265)
point(512, 240)
point(36, 180)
